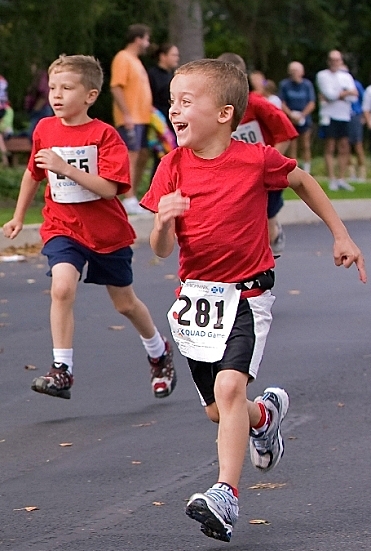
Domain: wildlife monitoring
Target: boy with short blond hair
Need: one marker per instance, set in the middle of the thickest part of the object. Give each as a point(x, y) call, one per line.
point(210, 194)
point(86, 165)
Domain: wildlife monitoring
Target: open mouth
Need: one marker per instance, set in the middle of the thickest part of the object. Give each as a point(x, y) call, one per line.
point(180, 126)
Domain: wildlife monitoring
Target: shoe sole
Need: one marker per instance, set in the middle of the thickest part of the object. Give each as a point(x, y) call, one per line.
point(165, 393)
point(211, 525)
point(39, 385)
point(284, 401)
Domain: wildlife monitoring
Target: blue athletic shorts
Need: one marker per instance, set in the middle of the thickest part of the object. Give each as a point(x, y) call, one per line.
point(103, 269)
point(335, 130)
point(275, 203)
point(245, 346)
point(135, 139)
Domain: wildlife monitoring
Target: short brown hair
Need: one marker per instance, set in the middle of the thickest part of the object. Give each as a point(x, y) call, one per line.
point(138, 30)
point(85, 65)
point(233, 58)
point(226, 82)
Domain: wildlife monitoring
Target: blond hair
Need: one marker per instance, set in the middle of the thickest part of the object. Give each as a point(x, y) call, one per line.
point(224, 80)
point(85, 65)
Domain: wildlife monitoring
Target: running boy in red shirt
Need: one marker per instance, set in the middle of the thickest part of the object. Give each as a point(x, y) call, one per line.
point(86, 164)
point(210, 194)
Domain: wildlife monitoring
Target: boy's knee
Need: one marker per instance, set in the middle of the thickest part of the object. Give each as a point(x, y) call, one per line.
point(212, 412)
point(62, 291)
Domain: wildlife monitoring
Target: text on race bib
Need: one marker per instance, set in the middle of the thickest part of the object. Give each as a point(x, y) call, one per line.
point(64, 190)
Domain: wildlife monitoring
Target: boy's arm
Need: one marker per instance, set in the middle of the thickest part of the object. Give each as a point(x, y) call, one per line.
point(49, 160)
point(27, 192)
point(345, 250)
point(162, 238)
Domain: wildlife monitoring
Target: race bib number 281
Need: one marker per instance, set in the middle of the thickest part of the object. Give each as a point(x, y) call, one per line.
point(202, 318)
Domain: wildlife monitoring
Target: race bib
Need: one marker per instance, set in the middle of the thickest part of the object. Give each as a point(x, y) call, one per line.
point(202, 318)
point(64, 190)
point(249, 132)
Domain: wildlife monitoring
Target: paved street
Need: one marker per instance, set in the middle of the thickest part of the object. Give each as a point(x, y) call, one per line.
point(132, 461)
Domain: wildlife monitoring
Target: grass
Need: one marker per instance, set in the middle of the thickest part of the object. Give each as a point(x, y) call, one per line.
point(10, 179)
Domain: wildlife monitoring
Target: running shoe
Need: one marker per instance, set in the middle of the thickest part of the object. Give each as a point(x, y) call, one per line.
point(163, 374)
point(216, 510)
point(57, 382)
point(278, 244)
point(266, 449)
point(342, 184)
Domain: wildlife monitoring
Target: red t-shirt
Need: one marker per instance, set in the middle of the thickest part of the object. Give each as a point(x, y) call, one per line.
point(224, 234)
point(274, 124)
point(101, 225)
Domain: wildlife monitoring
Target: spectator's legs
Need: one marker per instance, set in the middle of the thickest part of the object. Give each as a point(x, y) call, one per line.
point(329, 157)
point(292, 151)
point(343, 156)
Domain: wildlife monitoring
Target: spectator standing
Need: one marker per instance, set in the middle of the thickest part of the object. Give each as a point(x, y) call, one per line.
point(270, 92)
point(298, 102)
point(4, 105)
point(357, 172)
point(167, 59)
point(337, 91)
point(132, 105)
point(366, 109)
point(36, 102)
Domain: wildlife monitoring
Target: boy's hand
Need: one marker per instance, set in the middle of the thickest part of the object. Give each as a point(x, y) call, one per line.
point(346, 253)
point(171, 206)
point(49, 160)
point(12, 228)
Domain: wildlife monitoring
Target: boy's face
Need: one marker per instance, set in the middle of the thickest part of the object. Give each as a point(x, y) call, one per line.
point(68, 97)
point(194, 113)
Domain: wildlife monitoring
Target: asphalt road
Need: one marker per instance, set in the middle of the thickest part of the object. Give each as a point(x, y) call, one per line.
point(132, 462)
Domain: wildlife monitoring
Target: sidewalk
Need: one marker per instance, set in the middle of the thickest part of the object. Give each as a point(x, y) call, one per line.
point(293, 212)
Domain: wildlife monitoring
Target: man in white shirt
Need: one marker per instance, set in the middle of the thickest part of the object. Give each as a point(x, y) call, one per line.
point(337, 90)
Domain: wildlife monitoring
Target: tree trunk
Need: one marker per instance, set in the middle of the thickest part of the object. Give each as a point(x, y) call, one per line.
point(186, 29)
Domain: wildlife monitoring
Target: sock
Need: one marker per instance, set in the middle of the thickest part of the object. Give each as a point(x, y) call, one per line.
point(227, 487)
point(154, 346)
point(264, 420)
point(64, 355)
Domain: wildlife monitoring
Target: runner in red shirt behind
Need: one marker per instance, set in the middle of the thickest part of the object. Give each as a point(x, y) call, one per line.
point(264, 123)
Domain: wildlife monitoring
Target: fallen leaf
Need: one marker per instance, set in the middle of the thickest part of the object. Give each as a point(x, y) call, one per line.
point(3, 324)
point(28, 509)
point(66, 444)
point(292, 438)
point(30, 281)
point(170, 276)
point(340, 405)
point(2, 440)
point(144, 424)
point(158, 503)
point(30, 367)
point(136, 462)
point(155, 261)
point(294, 292)
point(259, 521)
point(117, 327)
point(267, 486)
point(4, 301)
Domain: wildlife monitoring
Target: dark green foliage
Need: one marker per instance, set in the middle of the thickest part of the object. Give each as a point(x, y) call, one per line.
point(266, 34)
